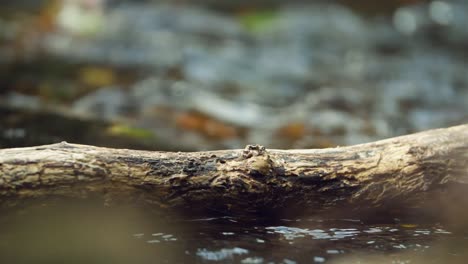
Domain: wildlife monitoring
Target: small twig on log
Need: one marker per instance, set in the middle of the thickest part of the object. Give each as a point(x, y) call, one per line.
point(406, 169)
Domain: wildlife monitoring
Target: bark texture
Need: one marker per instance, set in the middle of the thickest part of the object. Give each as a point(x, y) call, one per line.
point(405, 169)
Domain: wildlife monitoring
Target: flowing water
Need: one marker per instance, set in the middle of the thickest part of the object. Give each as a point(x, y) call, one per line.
point(93, 234)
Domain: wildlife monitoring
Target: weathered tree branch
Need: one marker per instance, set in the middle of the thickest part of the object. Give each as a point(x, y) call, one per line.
point(404, 169)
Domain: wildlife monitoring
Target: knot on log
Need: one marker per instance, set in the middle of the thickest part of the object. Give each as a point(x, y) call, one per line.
point(252, 151)
point(259, 162)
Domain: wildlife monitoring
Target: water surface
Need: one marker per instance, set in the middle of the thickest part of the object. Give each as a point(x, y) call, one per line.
point(83, 234)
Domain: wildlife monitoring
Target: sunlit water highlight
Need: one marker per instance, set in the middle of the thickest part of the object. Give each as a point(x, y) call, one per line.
point(227, 239)
point(82, 234)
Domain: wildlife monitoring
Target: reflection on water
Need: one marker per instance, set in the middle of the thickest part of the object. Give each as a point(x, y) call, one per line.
point(96, 234)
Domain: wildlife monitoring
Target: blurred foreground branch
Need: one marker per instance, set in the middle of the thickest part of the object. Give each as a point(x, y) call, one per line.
point(404, 170)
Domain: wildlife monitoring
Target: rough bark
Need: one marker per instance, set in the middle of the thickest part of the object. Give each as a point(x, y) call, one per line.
point(406, 169)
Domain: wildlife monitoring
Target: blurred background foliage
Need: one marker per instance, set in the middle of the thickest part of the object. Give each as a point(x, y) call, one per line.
point(196, 75)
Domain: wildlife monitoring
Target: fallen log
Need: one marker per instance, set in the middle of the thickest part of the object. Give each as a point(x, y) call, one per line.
point(404, 170)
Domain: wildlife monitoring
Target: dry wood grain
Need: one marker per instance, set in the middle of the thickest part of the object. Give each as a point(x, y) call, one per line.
point(404, 170)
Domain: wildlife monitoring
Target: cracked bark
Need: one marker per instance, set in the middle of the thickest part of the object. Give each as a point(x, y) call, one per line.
point(403, 170)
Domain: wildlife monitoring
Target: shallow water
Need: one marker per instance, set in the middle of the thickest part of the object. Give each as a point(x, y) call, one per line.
point(307, 240)
point(83, 234)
